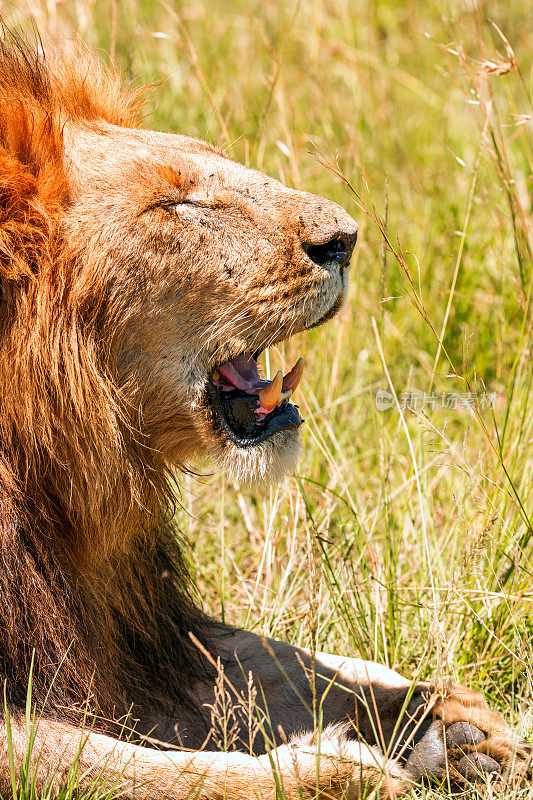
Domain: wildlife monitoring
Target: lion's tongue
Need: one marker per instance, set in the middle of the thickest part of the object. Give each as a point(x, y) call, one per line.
point(241, 373)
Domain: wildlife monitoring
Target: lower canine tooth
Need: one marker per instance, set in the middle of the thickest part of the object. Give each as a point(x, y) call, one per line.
point(293, 378)
point(269, 396)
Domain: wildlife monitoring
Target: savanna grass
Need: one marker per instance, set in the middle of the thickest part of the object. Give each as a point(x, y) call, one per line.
point(406, 535)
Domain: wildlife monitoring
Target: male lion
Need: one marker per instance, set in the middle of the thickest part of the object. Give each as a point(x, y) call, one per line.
point(142, 273)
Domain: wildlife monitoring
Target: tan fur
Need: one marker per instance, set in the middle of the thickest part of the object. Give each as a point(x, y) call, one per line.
point(133, 263)
point(347, 770)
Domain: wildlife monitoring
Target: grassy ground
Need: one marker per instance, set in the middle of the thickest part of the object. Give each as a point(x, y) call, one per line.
point(406, 536)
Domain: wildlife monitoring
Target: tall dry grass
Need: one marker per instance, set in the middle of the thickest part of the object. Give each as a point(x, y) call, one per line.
point(406, 535)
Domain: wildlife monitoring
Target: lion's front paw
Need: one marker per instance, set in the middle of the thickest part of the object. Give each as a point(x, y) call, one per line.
point(466, 741)
point(507, 756)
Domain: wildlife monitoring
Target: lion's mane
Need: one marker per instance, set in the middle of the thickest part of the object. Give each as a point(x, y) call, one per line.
point(92, 586)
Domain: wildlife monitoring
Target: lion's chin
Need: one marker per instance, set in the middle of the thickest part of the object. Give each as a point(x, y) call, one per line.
point(262, 465)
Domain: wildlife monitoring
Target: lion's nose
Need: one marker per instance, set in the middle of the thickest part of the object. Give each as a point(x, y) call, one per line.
point(334, 248)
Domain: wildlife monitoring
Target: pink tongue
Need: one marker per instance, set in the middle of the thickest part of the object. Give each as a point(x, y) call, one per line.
point(242, 373)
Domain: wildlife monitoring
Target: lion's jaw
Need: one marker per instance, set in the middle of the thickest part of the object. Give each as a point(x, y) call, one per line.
point(205, 262)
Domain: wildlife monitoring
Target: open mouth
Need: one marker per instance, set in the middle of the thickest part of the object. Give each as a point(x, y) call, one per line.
point(249, 408)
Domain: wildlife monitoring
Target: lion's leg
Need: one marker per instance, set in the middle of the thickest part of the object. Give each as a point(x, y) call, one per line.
point(333, 766)
point(412, 723)
point(297, 691)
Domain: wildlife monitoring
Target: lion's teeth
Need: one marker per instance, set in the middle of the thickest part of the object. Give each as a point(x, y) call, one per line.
point(293, 378)
point(216, 375)
point(269, 396)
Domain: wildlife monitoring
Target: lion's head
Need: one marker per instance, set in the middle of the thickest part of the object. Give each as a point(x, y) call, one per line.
point(203, 264)
point(180, 264)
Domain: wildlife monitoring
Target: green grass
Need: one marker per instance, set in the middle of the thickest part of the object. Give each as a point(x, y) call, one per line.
point(405, 537)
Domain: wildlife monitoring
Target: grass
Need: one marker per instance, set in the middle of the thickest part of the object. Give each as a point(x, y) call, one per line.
point(406, 535)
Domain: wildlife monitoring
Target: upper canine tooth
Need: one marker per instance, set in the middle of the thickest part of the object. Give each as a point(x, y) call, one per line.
point(269, 396)
point(293, 378)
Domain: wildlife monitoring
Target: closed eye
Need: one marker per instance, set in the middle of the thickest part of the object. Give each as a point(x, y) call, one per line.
point(173, 206)
point(186, 204)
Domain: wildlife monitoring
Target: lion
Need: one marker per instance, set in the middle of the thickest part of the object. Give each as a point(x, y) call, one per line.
point(142, 274)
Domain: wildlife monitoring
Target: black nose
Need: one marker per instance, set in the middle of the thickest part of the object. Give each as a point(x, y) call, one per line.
point(337, 250)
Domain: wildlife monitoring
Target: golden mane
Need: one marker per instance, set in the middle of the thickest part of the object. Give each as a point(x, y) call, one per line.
point(95, 601)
